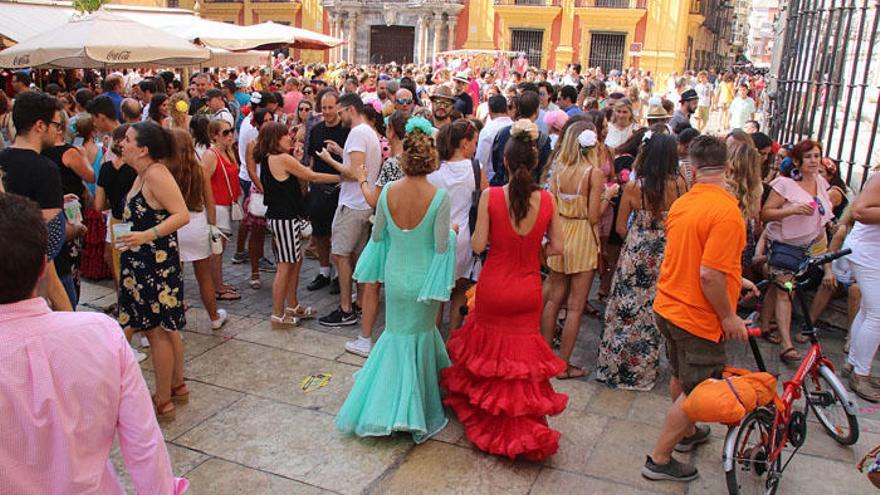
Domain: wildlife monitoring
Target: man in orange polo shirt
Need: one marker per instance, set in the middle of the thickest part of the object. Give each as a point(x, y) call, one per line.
point(700, 281)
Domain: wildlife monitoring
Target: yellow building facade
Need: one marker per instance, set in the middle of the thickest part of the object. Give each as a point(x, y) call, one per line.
point(661, 36)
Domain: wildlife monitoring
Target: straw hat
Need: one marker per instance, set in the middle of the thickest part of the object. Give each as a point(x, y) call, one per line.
point(656, 112)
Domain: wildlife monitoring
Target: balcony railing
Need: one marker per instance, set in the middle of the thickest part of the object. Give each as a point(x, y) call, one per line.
point(538, 3)
point(611, 4)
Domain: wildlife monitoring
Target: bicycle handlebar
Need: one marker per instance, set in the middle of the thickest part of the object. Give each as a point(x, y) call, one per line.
point(827, 257)
point(755, 331)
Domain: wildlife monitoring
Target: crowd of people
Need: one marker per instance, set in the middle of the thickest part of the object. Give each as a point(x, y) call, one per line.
point(382, 174)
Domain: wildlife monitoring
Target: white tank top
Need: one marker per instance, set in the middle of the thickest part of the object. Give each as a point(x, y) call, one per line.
point(864, 240)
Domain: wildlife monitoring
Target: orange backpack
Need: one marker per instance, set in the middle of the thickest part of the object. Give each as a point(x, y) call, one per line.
point(729, 399)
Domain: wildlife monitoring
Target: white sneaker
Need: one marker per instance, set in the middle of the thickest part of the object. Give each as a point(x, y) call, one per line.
point(140, 356)
point(144, 342)
point(360, 346)
point(219, 322)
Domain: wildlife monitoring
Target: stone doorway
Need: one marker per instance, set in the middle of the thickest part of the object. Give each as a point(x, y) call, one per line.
point(392, 44)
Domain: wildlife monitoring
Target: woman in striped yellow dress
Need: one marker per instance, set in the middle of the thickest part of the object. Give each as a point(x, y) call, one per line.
point(579, 187)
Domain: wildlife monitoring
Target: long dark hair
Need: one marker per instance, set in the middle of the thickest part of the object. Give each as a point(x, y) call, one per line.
point(268, 140)
point(155, 105)
point(656, 164)
point(187, 171)
point(198, 127)
point(520, 157)
point(451, 135)
point(158, 141)
point(375, 118)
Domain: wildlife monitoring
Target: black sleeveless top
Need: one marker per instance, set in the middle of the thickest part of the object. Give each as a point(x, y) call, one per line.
point(70, 182)
point(283, 199)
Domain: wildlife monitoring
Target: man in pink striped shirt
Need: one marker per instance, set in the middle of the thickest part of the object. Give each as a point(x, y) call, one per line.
point(68, 384)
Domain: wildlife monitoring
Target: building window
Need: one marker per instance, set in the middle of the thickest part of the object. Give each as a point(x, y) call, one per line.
point(530, 42)
point(607, 51)
point(173, 4)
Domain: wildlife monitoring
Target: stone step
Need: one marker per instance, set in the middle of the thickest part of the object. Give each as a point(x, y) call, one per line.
point(835, 314)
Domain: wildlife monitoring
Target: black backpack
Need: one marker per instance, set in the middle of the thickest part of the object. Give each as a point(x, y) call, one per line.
point(475, 196)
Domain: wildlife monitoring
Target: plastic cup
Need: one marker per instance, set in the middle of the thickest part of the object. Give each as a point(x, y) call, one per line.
point(118, 230)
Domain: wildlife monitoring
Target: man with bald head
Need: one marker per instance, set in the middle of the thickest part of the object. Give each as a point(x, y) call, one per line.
point(131, 111)
point(403, 101)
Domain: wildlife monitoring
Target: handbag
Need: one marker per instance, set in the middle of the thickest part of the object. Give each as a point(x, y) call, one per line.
point(786, 256)
point(236, 214)
point(216, 236)
point(257, 204)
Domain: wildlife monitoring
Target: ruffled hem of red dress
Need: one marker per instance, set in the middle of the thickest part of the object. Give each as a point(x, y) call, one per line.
point(489, 353)
point(526, 437)
point(504, 397)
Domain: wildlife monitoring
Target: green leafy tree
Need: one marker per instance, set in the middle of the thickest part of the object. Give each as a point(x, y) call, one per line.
point(87, 6)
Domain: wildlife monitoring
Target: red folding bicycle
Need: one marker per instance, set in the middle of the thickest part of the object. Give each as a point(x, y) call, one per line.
point(754, 449)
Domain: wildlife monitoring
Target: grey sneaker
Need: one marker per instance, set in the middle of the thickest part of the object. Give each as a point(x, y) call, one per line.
point(267, 266)
point(239, 258)
point(672, 471)
point(360, 346)
point(700, 436)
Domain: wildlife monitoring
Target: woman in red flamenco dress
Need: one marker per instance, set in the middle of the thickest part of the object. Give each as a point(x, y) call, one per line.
point(499, 381)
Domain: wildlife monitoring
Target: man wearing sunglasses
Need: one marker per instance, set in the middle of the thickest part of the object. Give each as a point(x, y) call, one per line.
point(442, 100)
point(404, 102)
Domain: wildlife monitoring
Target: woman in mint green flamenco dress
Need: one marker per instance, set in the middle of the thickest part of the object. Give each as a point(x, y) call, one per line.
point(411, 251)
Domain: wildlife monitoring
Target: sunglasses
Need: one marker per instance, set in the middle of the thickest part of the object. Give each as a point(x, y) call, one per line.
point(304, 109)
point(226, 132)
point(819, 206)
point(442, 103)
point(307, 92)
point(404, 101)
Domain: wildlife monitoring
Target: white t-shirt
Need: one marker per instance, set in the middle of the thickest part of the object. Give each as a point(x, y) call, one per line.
point(704, 94)
point(361, 138)
point(458, 180)
point(246, 134)
point(226, 115)
point(741, 110)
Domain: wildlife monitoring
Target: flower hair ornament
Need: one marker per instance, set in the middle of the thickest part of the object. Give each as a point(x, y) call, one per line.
point(256, 97)
point(419, 124)
point(588, 139)
point(182, 106)
point(524, 130)
point(647, 137)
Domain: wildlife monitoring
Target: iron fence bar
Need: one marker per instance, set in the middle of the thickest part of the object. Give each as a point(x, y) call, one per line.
point(838, 68)
point(790, 110)
point(831, 82)
point(810, 73)
point(861, 104)
point(780, 94)
point(850, 86)
point(871, 141)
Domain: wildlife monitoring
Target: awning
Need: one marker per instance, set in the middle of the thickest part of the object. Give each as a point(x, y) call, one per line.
point(226, 58)
point(22, 19)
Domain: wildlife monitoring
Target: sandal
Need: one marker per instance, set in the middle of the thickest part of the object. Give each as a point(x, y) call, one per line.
point(591, 312)
point(790, 355)
point(801, 339)
point(165, 413)
point(255, 282)
point(177, 397)
point(572, 372)
point(301, 312)
point(228, 288)
point(283, 322)
point(773, 337)
point(228, 295)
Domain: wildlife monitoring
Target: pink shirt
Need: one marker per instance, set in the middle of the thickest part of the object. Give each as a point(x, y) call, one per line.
point(291, 101)
point(68, 384)
point(800, 230)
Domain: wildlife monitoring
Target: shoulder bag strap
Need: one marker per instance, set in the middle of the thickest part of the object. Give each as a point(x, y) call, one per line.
point(225, 174)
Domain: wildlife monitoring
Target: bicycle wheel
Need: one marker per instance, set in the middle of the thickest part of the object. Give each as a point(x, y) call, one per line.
point(749, 471)
point(826, 398)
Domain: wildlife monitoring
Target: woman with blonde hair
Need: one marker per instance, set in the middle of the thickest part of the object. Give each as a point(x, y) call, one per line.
point(578, 185)
point(622, 125)
point(178, 106)
point(744, 181)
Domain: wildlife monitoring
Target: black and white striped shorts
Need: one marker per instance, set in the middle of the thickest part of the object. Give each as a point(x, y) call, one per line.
point(288, 239)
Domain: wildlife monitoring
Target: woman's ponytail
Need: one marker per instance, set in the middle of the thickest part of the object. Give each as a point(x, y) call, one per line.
point(520, 157)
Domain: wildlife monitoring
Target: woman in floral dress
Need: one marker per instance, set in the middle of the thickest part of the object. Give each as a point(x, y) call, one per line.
point(151, 288)
point(630, 349)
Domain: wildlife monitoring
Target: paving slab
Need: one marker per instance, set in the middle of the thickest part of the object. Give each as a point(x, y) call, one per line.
point(218, 477)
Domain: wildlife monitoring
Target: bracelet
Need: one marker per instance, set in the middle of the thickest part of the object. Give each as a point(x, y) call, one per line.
point(156, 231)
point(363, 182)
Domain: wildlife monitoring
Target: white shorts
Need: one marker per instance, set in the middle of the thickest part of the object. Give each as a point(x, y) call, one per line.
point(194, 238)
point(224, 218)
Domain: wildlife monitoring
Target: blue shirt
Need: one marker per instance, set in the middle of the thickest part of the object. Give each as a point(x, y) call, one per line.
point(573, 110)
point(117, 103)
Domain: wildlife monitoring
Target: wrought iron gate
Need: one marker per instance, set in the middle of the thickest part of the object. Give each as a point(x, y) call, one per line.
point(607, 51)
point(825, 81)
point(530, 42)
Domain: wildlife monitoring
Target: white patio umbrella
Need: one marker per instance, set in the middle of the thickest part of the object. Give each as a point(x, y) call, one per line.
point(102, 40)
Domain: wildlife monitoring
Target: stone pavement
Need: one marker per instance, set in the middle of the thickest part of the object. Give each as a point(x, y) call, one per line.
point(249, 428)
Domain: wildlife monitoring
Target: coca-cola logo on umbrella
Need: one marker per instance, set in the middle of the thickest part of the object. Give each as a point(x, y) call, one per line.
point(21, 60)
point(118, 56)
